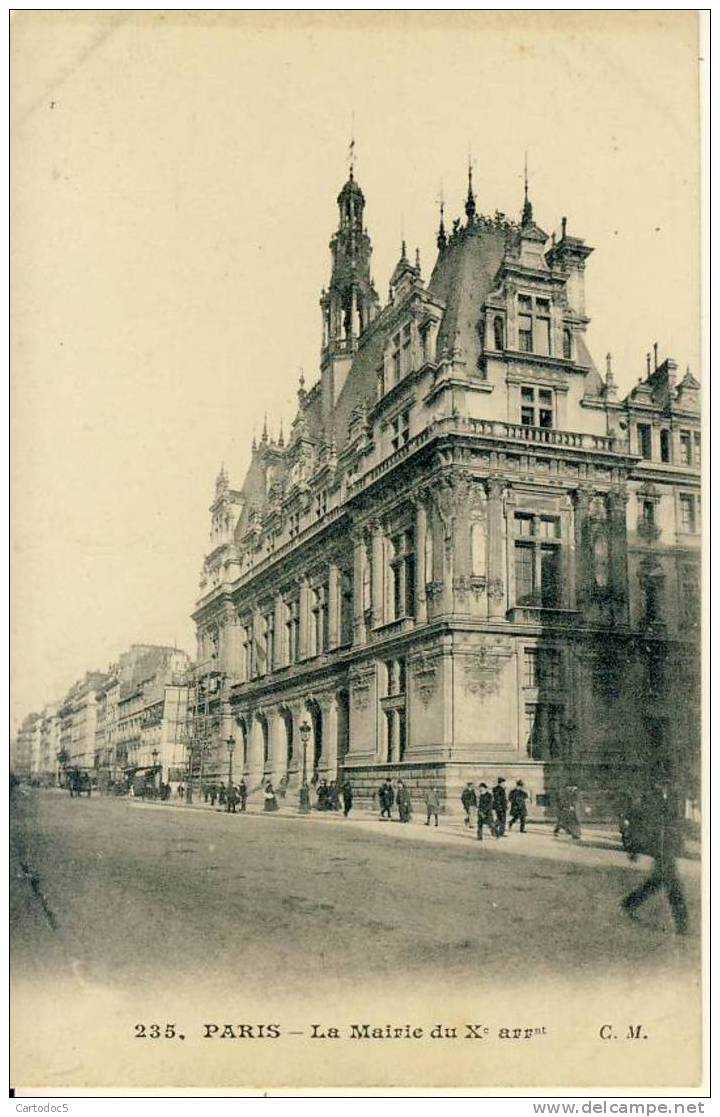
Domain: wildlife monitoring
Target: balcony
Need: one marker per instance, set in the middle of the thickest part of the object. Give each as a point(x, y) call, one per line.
point(537, 436)
point(539, 615)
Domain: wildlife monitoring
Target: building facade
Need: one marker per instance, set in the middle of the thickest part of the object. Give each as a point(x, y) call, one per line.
point(471, 558)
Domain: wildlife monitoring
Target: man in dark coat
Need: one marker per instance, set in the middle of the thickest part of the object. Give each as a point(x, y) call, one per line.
point(518, 806)
point(213, 794)
point(500, 807)
point(662, 839)
point(484, 810)
point(567, 812)
point(232, 798)
point(242, 795)
point(386, 796)
point(468, 798)
point(304, 798)
point(404, 802)
point(347, 796)
point(222, 795)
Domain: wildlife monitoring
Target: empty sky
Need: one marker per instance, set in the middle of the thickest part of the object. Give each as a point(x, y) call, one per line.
point(173, 195)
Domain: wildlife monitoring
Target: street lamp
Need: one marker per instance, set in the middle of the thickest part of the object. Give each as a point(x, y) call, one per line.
point(304, 737)
point(230, 742)
point(154, 755)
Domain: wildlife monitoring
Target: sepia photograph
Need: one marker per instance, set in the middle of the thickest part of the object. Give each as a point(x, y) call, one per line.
point(357, 442)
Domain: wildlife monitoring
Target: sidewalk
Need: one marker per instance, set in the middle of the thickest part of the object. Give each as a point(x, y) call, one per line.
point(599, 846)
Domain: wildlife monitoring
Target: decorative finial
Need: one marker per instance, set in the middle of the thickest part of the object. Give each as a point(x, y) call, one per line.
point(281, 435)
point(417, 260)
point(527, 213)
point(608, 366)
point(470, 207)
point(351, 146)
point(564, 227)
point(265, 429)
point(441, 234)
point(647, 362)
point(655, 354)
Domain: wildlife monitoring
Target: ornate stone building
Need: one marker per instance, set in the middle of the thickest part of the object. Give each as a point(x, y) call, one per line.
point(470, 557)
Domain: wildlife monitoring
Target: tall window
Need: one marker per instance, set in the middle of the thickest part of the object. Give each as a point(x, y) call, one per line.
point(247, 651)
point(294, 524)
point(690, 593)
point(498, 332)
point(685, 447)
point(525, 323)
point(687, 513)
point(645, 440)
point(665, 451)
point(567, 344)
point(537, 561)
point(534, 335)
point(406, 355)
point(395, 358)
point(321, 503)
point(536, 407)
point(292, 629)
point(402, 574)
point(530, 672)
point(697, 455)
point(400, 427)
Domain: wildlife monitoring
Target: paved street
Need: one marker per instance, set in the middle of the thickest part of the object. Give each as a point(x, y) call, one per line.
point(118, 889)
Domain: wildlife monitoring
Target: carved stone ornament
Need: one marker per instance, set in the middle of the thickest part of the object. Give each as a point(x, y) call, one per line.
point(424, 678)
point(483, 669)
point(496, 589)
point(434, 589)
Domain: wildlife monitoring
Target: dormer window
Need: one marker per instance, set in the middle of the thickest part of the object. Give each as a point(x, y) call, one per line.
point(534, 325)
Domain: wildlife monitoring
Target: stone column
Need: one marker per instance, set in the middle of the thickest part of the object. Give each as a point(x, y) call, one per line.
point(497, 545)
point(257, 648)
point(297, 712)
point(378, 614)
point(420, 537)
point(278, 745)
point(279, 652)
point(304, 637)
point(392, 735)
point(583, 555)
point(617, 505)
point(359, 560)
point(328, 765)
point(333, 605)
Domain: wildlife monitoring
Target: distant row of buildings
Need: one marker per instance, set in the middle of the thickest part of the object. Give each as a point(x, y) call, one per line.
point(120, 726)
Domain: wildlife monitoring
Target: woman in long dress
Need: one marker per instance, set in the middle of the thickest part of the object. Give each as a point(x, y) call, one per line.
point(270, 800)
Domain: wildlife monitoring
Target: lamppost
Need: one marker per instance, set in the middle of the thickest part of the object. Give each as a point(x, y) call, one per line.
point(155, 755)
point(304, 737)
point(230, 742)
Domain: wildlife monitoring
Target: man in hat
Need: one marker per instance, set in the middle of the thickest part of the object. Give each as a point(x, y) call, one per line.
point(432, 805)
point(567, 812)
point(484, 810)
point(662, 839)
point(500, 807)
point(468, 798)
point(518, 806)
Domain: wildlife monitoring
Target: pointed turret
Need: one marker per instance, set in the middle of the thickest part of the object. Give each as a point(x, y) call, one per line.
point(441, 234)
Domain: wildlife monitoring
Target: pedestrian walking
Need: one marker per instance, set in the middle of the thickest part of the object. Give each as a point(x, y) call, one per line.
point(500, 807)
point(347, 796)
point(432, 805)
point(631, 825)
point(662, 839)
point(304, 798)
point(180, 791)
point(333, 796)
point(468, 798)
point(518, 806)
point(404, 802)
point(484, 810)
point(213, 795)
point(231, 798)
point(567, 812)
point(222, 795)
point(386, 798)
point(206, 793)
point(321, 791)
point(269, 797)
point(242, 794)
point(283, 786)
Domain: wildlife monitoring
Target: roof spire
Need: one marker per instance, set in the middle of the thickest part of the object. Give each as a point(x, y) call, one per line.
point(470, 207)
point(441, 234)
point(265, 429)
point(281, 435)
point(417, 260)
point(351, 147)
point(527, 212)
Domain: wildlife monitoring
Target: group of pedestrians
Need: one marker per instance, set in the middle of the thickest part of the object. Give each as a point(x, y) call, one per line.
point(333, 796)
point(489, 807)
point(390, 795)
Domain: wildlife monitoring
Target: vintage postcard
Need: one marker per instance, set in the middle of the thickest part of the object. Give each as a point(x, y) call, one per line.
point(357, 446)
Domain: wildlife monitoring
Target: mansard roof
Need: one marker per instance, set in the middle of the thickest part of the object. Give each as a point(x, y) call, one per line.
point(462, 278)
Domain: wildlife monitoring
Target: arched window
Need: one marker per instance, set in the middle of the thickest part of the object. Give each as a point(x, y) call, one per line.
point(499, 332)
point(567, 344)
